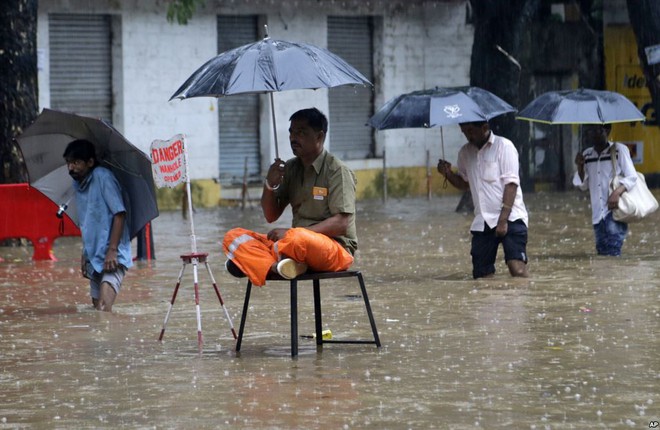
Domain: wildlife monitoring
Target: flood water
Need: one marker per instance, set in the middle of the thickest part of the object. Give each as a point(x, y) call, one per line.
point(574, 346)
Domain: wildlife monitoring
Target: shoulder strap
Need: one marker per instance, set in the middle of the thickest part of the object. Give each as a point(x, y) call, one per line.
point(613, 158)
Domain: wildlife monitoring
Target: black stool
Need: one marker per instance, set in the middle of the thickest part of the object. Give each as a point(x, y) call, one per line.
point(315, 277)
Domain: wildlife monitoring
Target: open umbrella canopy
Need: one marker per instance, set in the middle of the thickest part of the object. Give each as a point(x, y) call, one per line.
point(43, 144)
point(267, 66)
point(582, 106)
point(438, 107)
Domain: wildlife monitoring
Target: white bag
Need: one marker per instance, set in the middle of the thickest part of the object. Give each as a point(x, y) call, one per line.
point(635, 204)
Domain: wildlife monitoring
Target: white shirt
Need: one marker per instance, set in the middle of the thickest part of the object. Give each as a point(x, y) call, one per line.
point(598, 174)
point(488, 170)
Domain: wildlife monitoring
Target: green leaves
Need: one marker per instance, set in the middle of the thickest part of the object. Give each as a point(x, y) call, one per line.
point(182, 10)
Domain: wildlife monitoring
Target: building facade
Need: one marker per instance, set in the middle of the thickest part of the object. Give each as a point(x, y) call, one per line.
point(122, 60)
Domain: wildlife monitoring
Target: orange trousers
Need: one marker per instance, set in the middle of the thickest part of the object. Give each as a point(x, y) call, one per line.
point(255, 254)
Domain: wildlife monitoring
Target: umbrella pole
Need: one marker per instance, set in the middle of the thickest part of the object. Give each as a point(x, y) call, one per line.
point(428, 175)
point(244, 189)
point(384, 176)
point(442, 148)
point(442, 143)
point(272, 114)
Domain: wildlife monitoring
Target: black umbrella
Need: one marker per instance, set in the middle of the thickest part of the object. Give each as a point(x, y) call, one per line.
point(268, 66)
point(438, 107)
point(582, 106)
point(44, 142)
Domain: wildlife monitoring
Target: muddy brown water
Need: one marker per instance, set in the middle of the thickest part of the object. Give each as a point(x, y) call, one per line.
point(574, 346)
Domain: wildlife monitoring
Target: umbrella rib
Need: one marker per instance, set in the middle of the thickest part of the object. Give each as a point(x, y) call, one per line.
point(120, 168)
point(599, 111)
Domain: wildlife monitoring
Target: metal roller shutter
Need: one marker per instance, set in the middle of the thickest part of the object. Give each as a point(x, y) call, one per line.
point(350, 108)
point(239, 114)
point(81, 64)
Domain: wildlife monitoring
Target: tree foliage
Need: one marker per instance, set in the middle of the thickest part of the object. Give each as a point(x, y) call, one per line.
point(182, 10)
point(499, 28)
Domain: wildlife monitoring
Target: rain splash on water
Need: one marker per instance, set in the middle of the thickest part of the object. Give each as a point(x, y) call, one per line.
point(574, 346)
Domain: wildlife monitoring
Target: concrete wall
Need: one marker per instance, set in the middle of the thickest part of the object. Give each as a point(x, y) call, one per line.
point(419, 44)
point(422, 48)
point(151, 59)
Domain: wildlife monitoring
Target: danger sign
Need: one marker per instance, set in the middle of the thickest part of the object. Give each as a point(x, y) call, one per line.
point(168, 161)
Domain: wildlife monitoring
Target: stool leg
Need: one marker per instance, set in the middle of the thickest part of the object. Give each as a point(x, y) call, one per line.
point(317, 312)
point(169, 309)
point(294, 318)
point(246, 303)
point(368, 306)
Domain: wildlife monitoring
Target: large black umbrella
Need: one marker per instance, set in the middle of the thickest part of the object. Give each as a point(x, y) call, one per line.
point(438, 107)
point(267, 66)
point(44, 142)
point(582, 106)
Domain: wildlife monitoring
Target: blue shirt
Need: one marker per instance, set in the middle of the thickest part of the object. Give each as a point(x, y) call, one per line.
point(99, 198)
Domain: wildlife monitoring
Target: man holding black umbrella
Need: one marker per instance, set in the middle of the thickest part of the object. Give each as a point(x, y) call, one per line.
point(488, 167)
point(321, 191)
point(102, 216)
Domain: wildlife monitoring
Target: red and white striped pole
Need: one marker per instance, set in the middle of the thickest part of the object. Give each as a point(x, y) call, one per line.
point(169, 309)
point(200, 341)
point(222, 302)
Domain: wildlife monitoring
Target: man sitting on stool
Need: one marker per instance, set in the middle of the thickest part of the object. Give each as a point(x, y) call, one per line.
point(321, 191)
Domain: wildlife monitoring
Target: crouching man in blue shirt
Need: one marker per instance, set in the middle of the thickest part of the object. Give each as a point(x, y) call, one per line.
point(106, 251)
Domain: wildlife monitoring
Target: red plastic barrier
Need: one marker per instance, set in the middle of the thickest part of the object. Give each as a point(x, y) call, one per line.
point(27, 213)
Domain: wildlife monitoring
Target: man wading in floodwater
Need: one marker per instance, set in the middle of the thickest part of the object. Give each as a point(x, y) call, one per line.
point(102, 214)
point(488, 167)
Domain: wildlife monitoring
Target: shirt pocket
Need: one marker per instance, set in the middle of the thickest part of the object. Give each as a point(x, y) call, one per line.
point(491, 171)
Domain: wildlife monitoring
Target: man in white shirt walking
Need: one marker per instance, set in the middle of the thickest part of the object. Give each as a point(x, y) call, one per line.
point(594, 172)
point(488, 166)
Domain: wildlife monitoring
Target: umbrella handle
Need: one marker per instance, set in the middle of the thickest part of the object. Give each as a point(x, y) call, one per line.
point(63, 206)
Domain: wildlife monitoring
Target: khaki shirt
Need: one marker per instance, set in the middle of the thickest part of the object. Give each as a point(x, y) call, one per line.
point(316, 193)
